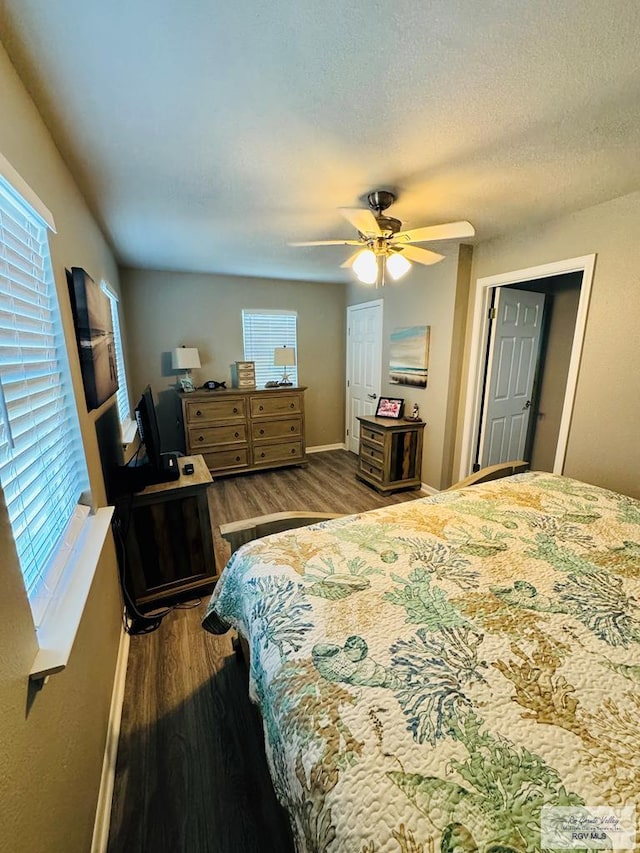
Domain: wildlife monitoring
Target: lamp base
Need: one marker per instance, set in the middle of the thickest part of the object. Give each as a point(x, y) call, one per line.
point(185, 384)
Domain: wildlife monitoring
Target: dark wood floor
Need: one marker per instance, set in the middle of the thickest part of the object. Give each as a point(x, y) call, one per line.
point(191, 773)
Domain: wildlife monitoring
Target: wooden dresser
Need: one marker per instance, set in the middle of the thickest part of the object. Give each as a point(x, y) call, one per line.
point(239, 429)
point(390, 453)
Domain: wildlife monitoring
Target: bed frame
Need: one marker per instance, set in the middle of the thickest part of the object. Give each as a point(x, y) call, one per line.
point(492, 472)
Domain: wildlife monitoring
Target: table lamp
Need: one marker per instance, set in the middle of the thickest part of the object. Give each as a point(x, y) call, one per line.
point(284, 357)
point(185, 358)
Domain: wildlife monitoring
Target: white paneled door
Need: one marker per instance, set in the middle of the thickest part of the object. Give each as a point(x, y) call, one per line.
point(513, 357)
point(364, 366)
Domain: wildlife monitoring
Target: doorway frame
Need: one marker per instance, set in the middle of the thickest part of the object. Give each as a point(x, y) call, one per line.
point(479, 343)
point(372, 303)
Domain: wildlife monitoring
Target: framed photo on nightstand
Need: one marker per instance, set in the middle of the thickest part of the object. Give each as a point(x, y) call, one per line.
point(390, 407)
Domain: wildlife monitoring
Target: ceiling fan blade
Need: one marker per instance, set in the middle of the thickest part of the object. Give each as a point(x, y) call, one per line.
point(420, 256)
point(449, 231)
point(328, 243)
point(362, 220)
point(349, 262)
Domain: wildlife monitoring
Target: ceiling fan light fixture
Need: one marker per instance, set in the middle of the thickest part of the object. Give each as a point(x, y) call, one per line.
point(365, 267)
point(397, 266)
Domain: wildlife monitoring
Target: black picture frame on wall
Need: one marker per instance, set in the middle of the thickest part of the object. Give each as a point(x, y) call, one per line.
point(390, 407)
point(94, 335)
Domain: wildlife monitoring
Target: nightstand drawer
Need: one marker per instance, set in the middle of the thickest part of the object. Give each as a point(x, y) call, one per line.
point(276, 404)
point(370, 434)
point(224, 409)
point(269, 453)
point(213, 435)
point(276, 429)
point(224, 459)
point(371, 452)
point(371, 469)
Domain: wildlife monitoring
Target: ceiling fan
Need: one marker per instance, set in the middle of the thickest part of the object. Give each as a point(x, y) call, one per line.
point(383, 246)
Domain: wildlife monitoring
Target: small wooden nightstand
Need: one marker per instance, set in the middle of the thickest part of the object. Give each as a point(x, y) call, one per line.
point(390, 453)
point(168, 539)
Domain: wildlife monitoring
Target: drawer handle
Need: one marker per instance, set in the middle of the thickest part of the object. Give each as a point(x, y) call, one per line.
point(262, 455)
point(293, 450)
point(261, 408)
point(235, 410)
point(261, 432)
point(236, 434)
point(293, 429)
point(198, 413)
point(237, 458)
point(292, 405)
point(200, 438)
point(371, 452)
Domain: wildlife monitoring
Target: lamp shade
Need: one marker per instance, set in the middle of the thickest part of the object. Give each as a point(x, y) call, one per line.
point(397, 266)
point(284, 357)
point(185, 358)
point(365, 267)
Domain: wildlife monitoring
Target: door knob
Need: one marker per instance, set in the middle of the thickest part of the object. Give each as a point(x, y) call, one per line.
point(526, 405)
point(373, 396)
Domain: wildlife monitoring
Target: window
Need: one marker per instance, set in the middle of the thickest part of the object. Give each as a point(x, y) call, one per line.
point(122, 394)
point(42, 466)
point(263, 332)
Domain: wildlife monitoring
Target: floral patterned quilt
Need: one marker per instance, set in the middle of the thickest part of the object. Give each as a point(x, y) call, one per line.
point(432, 673)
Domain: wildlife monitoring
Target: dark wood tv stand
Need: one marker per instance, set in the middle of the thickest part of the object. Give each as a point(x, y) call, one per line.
point(167, 538)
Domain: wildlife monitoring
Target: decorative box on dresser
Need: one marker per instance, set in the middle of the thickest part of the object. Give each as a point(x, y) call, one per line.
point(390, 453)
point(238, 429)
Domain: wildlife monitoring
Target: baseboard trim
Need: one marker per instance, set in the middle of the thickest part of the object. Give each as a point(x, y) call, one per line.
point(429, 490)
point(107, 779)
point(320, 448)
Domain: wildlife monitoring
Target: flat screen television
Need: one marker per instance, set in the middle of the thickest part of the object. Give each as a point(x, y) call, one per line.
point(160, 467)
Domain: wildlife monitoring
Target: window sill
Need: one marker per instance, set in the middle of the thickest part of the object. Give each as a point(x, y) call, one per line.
point(129, 439)
point(61, 621)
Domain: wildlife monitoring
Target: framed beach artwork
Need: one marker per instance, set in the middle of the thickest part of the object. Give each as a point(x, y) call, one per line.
point(94, 335)
point(409, 357)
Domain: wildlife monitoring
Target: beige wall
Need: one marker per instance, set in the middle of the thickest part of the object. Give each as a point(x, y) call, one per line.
point(431, 296)
point(603, 443)
point(561, 326)
point(52, 748)
point(167, 309)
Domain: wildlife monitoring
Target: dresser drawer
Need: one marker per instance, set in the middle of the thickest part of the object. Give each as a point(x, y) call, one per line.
point(265, 430)
point(213, 435)
point(277, 404)
point(223, 409)
point(371, 434)
point(220, 460)
point(266, 454)
point(370, 451)
point(371, 470)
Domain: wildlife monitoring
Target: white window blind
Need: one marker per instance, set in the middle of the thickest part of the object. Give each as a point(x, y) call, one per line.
point(42, 466)
point(122, 394)
point(264, 331)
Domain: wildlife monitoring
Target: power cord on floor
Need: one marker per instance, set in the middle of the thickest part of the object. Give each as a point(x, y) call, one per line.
point(134, 621)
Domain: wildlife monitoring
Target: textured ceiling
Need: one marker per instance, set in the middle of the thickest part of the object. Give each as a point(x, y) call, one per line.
point(206, 135)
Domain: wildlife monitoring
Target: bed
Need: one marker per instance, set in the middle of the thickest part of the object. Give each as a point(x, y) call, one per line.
point(434, 675)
